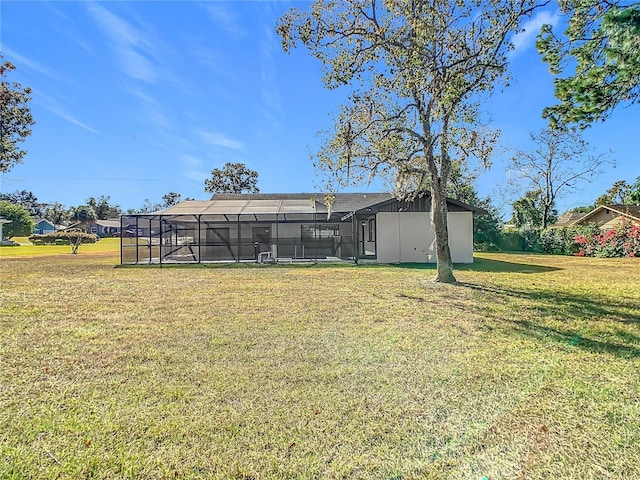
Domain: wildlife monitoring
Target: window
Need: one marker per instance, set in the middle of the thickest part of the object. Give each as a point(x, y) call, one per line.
point(319, 231)
point(372, 230)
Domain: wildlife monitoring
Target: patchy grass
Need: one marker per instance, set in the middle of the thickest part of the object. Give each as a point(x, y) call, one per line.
point(527, 369)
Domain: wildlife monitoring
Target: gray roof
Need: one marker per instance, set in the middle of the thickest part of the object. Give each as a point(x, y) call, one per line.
point(288, 203)
point(108, 223)
point(567, 219)
point(246, 206)
point(343, 202)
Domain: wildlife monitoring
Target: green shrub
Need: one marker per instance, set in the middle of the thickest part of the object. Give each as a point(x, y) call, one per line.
point(511, 241)
point(621, 241)
point(562, 241)
point(523, 240)
point(66, 236)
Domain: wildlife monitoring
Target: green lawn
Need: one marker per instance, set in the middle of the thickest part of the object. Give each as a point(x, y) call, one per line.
point(27, 249)
point(528, 369)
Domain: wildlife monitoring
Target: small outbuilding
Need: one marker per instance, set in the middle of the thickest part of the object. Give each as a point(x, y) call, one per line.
point(291, 227)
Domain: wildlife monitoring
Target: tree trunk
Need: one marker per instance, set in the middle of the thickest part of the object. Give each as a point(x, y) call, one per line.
point(545, 216)
point(443, 254)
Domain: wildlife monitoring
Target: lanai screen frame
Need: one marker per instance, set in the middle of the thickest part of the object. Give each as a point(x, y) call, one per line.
point(147, 238)
point(260, 212)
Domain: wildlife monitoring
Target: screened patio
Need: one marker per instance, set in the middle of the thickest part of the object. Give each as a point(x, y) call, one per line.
point(231, 229)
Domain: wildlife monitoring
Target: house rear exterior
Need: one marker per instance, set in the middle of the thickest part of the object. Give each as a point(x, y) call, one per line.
point(290, 227)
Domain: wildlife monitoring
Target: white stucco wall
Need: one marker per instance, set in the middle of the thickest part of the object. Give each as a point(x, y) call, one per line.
point(409, 237)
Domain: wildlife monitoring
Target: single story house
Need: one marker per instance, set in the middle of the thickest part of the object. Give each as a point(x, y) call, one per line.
point(606, 216)
point(105, 228)
point(44, 226)
point(290, 227)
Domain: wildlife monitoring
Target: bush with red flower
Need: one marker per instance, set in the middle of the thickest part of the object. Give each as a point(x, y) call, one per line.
point(621, 241)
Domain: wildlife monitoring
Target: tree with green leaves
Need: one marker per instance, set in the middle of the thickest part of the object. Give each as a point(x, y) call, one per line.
point(171, 199)
point(621, 193)
point(26, 200)
point(615, 195)
point(20, 222)
point(417, 71)
point(232, 178)
point(147, 207)
point(83, 215)
point(56, 213)
point(598, 57)
point(103, 208)
point(633, 194)
point(561, 159)
point(15, 118)
point(529, 213)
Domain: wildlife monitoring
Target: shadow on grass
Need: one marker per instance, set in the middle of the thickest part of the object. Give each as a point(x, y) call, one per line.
point(484, 265)
point(575, 312)
point(542, 332)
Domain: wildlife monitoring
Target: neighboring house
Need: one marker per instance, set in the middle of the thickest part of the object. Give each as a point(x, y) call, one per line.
point(566, 219)
point(288, 227)
point(44, 226)
point(105, 228)
point(2, 222)
point(606, 216)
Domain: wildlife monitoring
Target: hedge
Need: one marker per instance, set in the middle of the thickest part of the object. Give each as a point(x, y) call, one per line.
point(588, 241)
point(63, 237)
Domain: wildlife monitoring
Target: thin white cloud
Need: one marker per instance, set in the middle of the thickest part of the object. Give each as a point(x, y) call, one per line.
point(530, 29)
point(190, 161)
point(218, 139)
point(22, 61)
point(152, 110)
point(224, 18)
point(54, 107)
point(270, 93)
point(75, 121)
point(196, 175)
point(193, 168)
point(130, 45)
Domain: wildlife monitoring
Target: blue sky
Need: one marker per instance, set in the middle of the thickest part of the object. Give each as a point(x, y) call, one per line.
point(137, 99)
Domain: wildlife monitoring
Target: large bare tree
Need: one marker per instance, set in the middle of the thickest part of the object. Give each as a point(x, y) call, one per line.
point(561, 159)
point(417, 70)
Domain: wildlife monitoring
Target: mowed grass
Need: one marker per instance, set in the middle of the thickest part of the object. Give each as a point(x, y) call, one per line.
point(27, 249)
point(528, 369)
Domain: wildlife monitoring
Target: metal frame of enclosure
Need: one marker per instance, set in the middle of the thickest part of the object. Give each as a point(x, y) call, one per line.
point(268, 230)
point(264, 227)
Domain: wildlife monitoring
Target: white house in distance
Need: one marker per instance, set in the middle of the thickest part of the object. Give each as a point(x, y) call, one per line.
point(290, 227)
